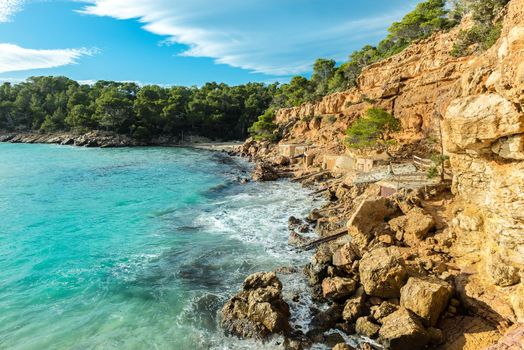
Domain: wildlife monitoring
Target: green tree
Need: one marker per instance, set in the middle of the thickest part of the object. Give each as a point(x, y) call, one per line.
point(264, 127)
point(372, 130)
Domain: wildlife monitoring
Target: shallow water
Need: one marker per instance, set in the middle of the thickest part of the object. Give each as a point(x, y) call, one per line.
point(134, 248)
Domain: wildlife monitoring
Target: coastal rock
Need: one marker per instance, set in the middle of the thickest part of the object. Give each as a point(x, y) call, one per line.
point(338, 287)
point(383, 310)
point(346, 255)
point(258, 310)
point(368, 220)
point(365, 326)
point(264, 172)
point(401, 330)
point(383, 272)
point(427, 298)
point(354, 307)
point(412, 227)
point(343, 346)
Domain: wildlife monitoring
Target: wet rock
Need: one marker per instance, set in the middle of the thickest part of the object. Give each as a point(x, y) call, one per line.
point(401, 330)
point(316, 271)
point(264, 172)
point(314, 215)
point(346, 255)
point(258, 310)
point(327, 319)
point(338, 287)
point(293, 222)
point(412, 227)
point(382, 272)
point(296, 240)
point(427, 298)
point(365, 326)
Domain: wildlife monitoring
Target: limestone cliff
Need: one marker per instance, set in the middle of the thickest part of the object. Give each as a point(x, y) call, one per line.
point(484, 136)
point(477, 103)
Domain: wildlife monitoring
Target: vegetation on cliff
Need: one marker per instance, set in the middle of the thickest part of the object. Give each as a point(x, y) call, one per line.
point(371, 131)
point(486, 28)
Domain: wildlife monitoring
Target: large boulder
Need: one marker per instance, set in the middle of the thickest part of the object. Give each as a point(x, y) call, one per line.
point(401, 331)
point(368, 220)
point(383, 272)
point(354, 306)
point(412, 227)
point(338, 287)
point(259, 310)
point(264, 172)
point(346, 255)
point(427, 298)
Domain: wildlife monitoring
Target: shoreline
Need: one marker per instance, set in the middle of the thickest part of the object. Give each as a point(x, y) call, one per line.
point(110, 140)
point(411, 247)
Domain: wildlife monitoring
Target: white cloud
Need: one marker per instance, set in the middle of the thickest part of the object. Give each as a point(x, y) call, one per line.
point(8, 8)
point(15, 58)
point(261, 36)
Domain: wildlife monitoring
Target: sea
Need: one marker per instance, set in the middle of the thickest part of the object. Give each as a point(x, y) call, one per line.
point(137, 248)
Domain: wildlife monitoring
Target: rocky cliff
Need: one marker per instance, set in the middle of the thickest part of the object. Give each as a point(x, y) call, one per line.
point(484, 136)
point(415, 85)
point(476, 103)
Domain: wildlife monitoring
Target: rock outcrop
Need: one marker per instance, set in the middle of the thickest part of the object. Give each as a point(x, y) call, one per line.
point(258, 310)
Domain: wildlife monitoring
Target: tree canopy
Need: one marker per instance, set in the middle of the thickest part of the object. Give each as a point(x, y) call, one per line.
point(372, 129)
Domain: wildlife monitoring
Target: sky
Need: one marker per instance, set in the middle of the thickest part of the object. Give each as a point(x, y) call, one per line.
point(185, 42)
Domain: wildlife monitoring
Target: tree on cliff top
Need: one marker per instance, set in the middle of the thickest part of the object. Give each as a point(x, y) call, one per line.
point(371, 130)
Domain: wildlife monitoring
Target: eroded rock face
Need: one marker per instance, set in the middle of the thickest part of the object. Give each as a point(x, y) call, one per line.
point(483, 132)
point(427, 298)
point(401, 330)
point(383, 272)
point(258, 310)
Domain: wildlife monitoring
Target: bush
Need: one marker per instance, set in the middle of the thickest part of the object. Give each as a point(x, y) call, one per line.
point(486, 30)
point(370, 131)
point(264, 127)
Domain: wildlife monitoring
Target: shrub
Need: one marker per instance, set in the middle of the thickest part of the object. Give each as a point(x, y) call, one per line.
point(264, 127)
point(370, 131)
point(332, 119)
point(486, 30)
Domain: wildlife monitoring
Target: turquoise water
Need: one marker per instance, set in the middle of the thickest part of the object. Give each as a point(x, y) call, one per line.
point(132, 248)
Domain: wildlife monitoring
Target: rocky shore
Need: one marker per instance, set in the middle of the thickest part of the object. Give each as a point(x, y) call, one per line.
point(110, 140)
point(389, 281)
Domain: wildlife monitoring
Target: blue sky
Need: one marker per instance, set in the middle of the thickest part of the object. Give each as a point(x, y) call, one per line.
point(185, 42)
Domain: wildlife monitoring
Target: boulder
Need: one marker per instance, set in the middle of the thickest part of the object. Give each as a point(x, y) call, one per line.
point(338, 287)
point(368, 220)
point(501, 273)
point(383, 310)
point(258, 310)
point(517, 303)
point(427, 298)
point(264, 172)
point(316, 271)
point(383, 272)
point(365, 326)
point(343, 346)
point(346, 255)
point(401, 330)
point(327, 319)
point(353, 307)
point(412, 227)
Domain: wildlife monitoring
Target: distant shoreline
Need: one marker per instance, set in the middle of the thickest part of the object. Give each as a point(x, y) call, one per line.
point(100, 139)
